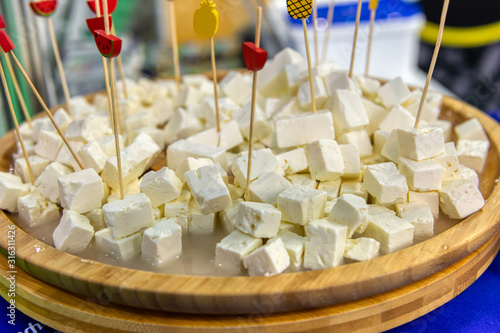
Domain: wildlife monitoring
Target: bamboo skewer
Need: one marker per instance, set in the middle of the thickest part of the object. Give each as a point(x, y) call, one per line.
point(16, 125)
point(315, 27)
point(19, 94)
point(433, 61)
point(373, 12)
point(175, 44)
point(121, 71)
point(252, 112)
point(356, 30)
point(46, 109)
point(329, 18)
point(309, 66)
point(60, 67)
point(214, 74)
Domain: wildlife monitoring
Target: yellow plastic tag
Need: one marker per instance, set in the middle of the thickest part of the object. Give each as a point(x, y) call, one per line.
point(299, 9)
point(373, 4)
point(206, 19)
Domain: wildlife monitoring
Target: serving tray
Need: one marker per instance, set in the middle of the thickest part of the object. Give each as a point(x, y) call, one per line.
point(267, 295)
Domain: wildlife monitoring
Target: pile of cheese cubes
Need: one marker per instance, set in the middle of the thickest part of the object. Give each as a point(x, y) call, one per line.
point(347, 183)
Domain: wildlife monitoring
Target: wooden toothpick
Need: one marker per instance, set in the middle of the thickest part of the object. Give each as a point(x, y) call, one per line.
point(433, 61)
point(329, 19)
point(16, 125)
point(309, 66)
point(60, 67)
point(315, 27)
point(175, 44)
point(19, 94)
point(373, 11)
point(121, 71)
point(214, 74)
point(355, 41)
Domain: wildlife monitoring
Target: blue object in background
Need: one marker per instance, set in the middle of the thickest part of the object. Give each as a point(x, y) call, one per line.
point(495, 115)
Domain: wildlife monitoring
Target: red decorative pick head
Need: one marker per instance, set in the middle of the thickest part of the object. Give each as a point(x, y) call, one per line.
point(255, 57)
point(110, 46)
point(97, 23)
point(44, 8)
point(5, 42)
point(2, 23)
point(111, 6)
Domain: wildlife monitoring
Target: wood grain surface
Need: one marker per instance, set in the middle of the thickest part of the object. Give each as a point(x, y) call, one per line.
point(268, 295)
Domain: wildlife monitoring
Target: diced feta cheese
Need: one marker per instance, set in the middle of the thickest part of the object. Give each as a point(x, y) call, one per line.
point(267, 260)
point(236, 87)
point(471, 130)
point(431, 198)
point(200, 223)
point(35, 210)
point(385, 182)
point(354, 187)
point(351, 211)
point(37, 163)
point(233, 248)
point(162, 242)
point(368, 85)
point(425, 175)
point(375, 113)
point(375, 209)
point(182, 125)
point(122, 249)
point(267, 187)
point(81, 191)
point(302, 180)
point(107, 144)
point(325, 160)
point(359, 138)
point(258, 219)
point(65, 157)
point(263, 160)
point(209, 188)
point(301, 129)
point(469, 174)
point(96, 219)
point(350, 155)
point(339, 80)
point(294, 245)
point(348, 111)
point(394, 92)
point(420, 144)
point(93, 156)
point(398, 117)
point(74, 232)
point(139, 120)
point(301, 205)
point(48, 144)
point(178, 151)
point(379, 140)
point(447, 126)
point(229, 215)
point(127, 216)
point(392, 232)
point(189, 95)
point(361, 249)
point(191, 163)
point(331, 187)
point(473, 153)
point(296, 160)
point(161, 186)
point(320, 93)
point(420, 216)
point(87, 129)
point(179, 209)
point(460, 198)
point(325, 244)
point(228, 137)
point(292, 227)
point(47, 183)
point(295, 76)
point(261, 125)
point(390, 150)
point(449, 161)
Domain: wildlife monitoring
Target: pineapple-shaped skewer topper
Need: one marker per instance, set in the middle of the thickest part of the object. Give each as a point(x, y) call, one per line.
point(206, 19)
point(299, 9)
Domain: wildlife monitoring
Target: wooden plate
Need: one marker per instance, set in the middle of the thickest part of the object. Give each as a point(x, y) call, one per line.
point(285, 292)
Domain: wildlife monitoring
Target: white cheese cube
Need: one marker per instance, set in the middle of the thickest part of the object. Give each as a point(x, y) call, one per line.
point(182, 125)
point(394, 92)
point(233, 248)
point(325, 160)
point(296, 161)
point(392, 232)
point(360, 139)
point(460, 198)
point(471, 130)
point(348, 111)
point(375, 209)
point(179, 209)
point(267, 260)
point(350, 155)
point(431, 198)
point(107, 144)
point(191, 163)
point(228, 137)
point(258, 219)
point(162, 242)
point(189, 95)
point(156, 134)
point(93, 156)
point(449, 161)
point(420, 144)
point(301, 205)
point(375, 113)
point(352, 211)
point(162, 110)
point(354, 187)
point(301, 129)
point(420, 216)
point(161, 186)
point(138, 120)
point(325, 244)
point(368, 86)
point(425, 175)
point(178, 151)
point(379, 140)
point(398, 117)
point(339, 80)
point(390, 150)
point(37, 163)
point(96, 219)
point(47, 184)
point(209, 189)
point(295, 76)
point(65, 157)
point(273, 105)
point(469, 174)
point(88, 129)
point(200, 223)
point(236, 87)
point(207, 111)
point(292, 227)
point(81, 191)
point(385, 182)
point(29, 147)
point(318, 125)
point(473, 153)
point(331, 187)
point(261, 126)
point(148, 146)
point(294, 245)
point(229, 215)
point(446, 126)
point(263, 160)
point(302, 180)
point(11, 189)
point(267, 187)
point(35, 210)
point(235, 191)
point(40, 125)
point(48, 144)
point(361, 249)
point(320, 93)
point(74, 232)
point(121, 249)
point(127, 216)
point(133, 187)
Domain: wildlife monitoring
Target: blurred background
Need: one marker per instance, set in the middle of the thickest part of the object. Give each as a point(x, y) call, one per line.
point(143, 25)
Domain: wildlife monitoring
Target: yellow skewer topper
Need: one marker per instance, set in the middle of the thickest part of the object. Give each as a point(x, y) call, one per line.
point(299, 9)
point(373, 4)
point(206, 19)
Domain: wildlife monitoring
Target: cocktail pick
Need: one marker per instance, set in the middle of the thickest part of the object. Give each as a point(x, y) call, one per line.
point(373, 11)
point(301, 10)
point(433, 61)
point(175, 44)
point(8, 47)
point(46, 8)
point(355, 41)
point(16, 123)
point(205, 24)
point(255, 59)
point(315, 26)
point(329, 19)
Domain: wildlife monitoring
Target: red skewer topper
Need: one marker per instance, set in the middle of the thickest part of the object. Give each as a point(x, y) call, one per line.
point(5, 42)
point(97, 23)
point(255, 57)
point(111, 6)
point(110, 46)
point(2, 23)
point(44, 8)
